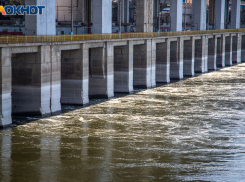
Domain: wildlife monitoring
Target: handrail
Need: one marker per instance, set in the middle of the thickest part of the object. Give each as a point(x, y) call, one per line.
point(83, 37)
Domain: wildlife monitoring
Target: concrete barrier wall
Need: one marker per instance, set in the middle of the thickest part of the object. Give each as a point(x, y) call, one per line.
point(37, 78)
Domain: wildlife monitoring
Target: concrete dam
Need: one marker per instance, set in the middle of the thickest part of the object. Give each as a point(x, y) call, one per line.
point(39, 73)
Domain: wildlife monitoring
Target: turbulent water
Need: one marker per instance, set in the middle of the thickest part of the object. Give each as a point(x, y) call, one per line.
point(190, 130)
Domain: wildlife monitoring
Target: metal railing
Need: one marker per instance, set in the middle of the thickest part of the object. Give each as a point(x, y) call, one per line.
point(84, 37)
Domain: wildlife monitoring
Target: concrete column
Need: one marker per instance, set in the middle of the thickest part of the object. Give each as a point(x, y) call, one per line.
point(200, 55)
point(5, 87)
point(5, 155)
point(176, 15)
point(102, 16)
point(243, 49)
point(199, 8)
point(212, 53)
point(236, 49)
point(220, 60)
point(126, 11)
point(236, 14)
point(143, 65)
point(176, 59)
point(228, 51)
point(81, 10)
point(43, 24)
point(163, 62)
point(144, 16)
point(219, 14)
point(101, 80)
point(110, 69)
point(55, 79)
point(123, 68)
point(189, 57)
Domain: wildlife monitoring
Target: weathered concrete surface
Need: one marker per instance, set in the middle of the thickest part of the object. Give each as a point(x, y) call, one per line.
point(176, 59)
point(200, 55)
point(236, 49)
point(163, 62)
point(220, 14)
point(228, 51)
point(144, 16)
point(143, 65)
point(5, 87)
point(189, 57)
point(123, 68)
point(212, 53)
point(221, 51)
point(31, 83)
point(71, 77)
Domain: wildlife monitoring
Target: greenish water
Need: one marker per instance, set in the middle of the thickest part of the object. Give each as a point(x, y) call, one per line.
point(191, 130)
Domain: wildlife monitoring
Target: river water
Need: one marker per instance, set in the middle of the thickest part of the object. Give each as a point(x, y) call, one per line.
point(190, 130)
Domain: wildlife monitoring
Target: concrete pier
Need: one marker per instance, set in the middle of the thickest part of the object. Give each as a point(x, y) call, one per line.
point(189, 57)
point(200, 55)
point(163, 62)
point(212, 53)
point(142, 71)
point(221, 51)
point(36, 78)
point(236, 49)
point(176, 59)
point(228, 51)
point(123, 68)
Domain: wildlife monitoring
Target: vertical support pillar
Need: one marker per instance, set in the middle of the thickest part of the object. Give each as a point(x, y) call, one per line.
point(221, 51)
point(219, 14)
point(55, 79)
point(212, 53)
point(5, 87)
point(189, 57)
point(126, 11)
point(102, 16)
point(110, 69)
point(163, 62)
point(44, 55)
point(236, 49)
point(243, 48)
point(123, 68)
point(153, 62)
point(85, 74)
point(143, 65)
point(200, 55)
point(176, 15)
point(199, 9)
point(144, 16)
point(43, 24)
point(236, 14)
point(176, 59)
point(228, 51)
